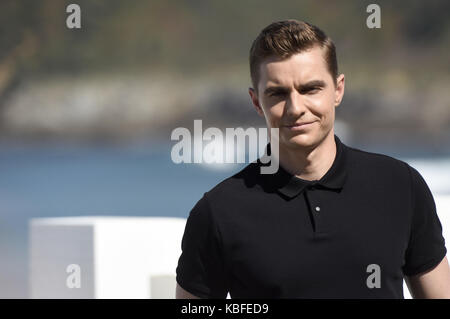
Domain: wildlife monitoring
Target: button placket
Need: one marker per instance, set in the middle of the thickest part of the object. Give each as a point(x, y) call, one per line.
point(314, 208)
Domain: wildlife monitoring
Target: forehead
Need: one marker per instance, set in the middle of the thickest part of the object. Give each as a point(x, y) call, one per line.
point(298, 68)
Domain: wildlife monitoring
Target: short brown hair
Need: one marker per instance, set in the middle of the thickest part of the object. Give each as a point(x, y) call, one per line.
point(283, 39)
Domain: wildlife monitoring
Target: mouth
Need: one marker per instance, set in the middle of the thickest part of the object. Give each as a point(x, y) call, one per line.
point(299, 126)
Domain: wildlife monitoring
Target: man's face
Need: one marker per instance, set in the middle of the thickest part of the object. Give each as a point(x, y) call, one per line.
point(295, 91)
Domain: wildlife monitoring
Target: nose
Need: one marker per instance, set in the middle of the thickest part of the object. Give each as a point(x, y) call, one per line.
point(295, 106)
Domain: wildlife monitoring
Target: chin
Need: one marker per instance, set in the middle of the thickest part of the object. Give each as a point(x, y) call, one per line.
point(299, 141)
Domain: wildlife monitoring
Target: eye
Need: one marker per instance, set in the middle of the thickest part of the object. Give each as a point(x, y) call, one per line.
point(274, 94)
point(312, 90)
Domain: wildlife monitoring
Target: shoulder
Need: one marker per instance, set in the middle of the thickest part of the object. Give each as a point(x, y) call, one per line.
point(235, 187)
point(227, 197)
point(377, 163)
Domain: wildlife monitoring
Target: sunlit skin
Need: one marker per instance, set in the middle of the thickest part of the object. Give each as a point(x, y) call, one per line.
point(300, 89)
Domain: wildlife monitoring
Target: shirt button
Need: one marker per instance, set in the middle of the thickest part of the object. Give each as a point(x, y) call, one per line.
point(317, 209)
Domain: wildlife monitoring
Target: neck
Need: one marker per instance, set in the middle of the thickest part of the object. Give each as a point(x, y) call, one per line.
point(312, 163)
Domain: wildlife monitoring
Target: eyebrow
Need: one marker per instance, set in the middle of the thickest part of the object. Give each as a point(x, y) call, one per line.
point(305, 86)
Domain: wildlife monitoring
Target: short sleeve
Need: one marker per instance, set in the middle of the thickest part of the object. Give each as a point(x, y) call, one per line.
point(426, 247)
point(201, 269)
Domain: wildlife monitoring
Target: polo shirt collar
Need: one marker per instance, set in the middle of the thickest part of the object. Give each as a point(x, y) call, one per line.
point(290, 185)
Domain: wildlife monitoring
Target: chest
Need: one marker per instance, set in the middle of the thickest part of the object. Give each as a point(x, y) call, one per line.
point(322, 243)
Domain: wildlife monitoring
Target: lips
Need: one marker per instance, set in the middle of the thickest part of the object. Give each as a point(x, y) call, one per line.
point(298, 125)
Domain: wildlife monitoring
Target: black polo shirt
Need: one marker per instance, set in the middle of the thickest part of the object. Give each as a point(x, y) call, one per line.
point(279, 236)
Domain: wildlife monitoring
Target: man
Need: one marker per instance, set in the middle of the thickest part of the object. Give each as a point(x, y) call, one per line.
point(334, 221)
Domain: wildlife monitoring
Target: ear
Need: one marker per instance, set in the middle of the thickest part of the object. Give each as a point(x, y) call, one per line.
point(339, 91)
point(255, 101)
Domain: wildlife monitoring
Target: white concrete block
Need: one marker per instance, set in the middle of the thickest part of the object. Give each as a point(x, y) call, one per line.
point(163, 286)
point(117, 256)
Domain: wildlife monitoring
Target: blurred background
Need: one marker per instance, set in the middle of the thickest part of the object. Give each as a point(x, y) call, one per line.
point(86, 114)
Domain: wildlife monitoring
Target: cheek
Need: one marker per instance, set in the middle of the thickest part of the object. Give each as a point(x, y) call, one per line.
point(274, 112)
point(322, 105)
